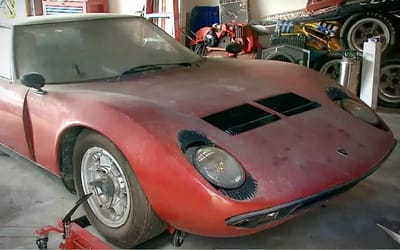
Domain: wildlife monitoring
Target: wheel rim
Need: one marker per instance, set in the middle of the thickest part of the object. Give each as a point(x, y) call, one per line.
point(279, 57)
point(102, 176)
point(389, 83)
point(331, 69)
point(366, 28)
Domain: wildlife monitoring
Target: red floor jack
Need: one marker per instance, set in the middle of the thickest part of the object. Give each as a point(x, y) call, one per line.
point(73, 233)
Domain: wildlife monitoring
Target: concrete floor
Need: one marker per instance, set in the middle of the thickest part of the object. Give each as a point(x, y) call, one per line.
point(31, 198)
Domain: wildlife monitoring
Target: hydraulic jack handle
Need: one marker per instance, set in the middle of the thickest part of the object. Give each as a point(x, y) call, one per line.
point(68, 216)
point(66, 221)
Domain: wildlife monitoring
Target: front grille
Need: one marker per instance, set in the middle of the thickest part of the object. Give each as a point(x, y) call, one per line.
point(252, 220)
point(245, 192)
point(288, 104)
point(240, 119)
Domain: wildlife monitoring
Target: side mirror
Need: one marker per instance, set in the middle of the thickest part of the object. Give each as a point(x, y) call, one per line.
point(35, 81)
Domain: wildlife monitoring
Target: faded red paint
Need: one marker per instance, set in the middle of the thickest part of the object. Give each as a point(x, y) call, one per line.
point(292, 158)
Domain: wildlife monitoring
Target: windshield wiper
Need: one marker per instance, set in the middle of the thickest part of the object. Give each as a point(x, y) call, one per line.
point(150, 67)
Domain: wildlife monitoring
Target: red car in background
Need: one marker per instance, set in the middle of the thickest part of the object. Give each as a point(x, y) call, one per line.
point(163, 138)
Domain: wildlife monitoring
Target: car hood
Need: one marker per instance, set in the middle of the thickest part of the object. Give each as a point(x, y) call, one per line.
point(208, 87)
point(298, 154)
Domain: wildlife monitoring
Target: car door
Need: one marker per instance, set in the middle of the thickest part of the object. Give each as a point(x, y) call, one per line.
point(14, 115)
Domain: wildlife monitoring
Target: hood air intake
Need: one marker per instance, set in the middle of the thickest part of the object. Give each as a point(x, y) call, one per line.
point(288, 104)
point(246, 117)
point(240, 119)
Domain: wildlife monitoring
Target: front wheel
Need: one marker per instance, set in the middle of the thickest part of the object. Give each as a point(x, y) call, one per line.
point(118, 207)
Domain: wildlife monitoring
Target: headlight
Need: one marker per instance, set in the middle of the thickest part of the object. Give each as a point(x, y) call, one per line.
point(359, 110)
point(218, 167)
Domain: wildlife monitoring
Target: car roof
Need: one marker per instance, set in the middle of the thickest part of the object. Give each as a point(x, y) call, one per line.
point(32, 20)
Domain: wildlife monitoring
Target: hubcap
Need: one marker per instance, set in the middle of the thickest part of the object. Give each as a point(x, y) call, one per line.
point(366, 28)
point(331, 69)
point(389, 84)
point(102, 176)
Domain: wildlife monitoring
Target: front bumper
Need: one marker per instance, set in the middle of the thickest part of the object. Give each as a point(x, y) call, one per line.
point(265, 216)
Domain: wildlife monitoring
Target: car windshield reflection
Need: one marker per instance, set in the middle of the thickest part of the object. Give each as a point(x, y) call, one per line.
point(94, 49)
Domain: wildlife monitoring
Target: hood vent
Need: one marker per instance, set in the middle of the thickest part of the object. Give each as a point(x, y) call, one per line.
point(246, 117)
point(240, 119)
point(288, 104)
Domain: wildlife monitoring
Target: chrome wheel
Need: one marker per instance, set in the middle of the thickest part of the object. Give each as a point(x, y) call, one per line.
point(389, 84)
point(331, 69)
point(367, 28)
point(118, 207)
point(102, 176)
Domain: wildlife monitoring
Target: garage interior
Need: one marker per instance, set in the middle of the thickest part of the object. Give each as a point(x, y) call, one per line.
point(33, 198)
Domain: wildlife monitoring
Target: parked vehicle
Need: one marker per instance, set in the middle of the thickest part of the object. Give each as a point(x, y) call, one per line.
point(330, 29)
point(163, 138)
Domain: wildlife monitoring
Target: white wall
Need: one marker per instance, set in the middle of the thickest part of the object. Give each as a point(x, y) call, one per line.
point(126, 6)
point(21, 9)
point(2, 13)
point(262, 8)
point(135, 6)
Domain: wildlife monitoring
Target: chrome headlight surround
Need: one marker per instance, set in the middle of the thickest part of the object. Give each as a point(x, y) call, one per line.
point(356, 108)
point(217, 166)
point(234, 181)
point(359, 111)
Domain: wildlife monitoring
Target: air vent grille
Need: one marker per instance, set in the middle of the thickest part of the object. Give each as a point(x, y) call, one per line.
point(245, 192)
point(289, 104)
point(240, 119)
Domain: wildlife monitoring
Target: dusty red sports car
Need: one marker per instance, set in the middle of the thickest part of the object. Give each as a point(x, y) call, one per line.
point(163, 138)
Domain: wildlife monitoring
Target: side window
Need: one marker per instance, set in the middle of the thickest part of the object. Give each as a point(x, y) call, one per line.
point(5, 53)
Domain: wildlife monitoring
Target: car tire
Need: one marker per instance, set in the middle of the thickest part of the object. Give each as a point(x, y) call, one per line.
point(389, 84)
point(279, 56)
point(118, 207)
point(329, 65)
point(358, 28)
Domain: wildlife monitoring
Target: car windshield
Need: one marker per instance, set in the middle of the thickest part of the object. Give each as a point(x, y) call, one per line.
point(76, 51)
